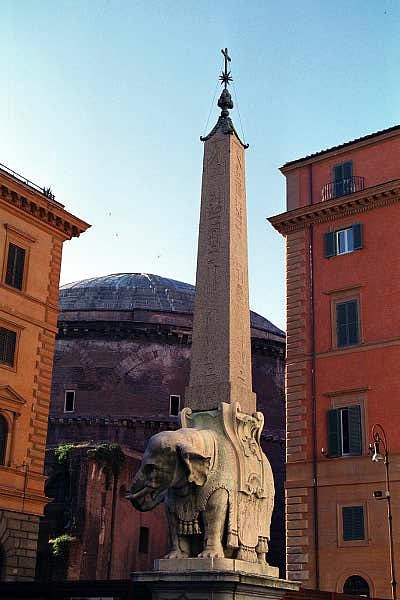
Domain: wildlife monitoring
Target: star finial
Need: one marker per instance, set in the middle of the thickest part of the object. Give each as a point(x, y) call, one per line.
point(225, 76)
point(225, 103)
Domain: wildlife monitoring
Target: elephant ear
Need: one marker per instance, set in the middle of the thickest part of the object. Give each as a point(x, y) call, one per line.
point(197, 464)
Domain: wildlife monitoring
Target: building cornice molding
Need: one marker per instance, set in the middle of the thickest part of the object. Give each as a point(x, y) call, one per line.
point(330, 210)
point(132, 422)
point(347, 392)
point(45, 211)
point(346, 147)
point(68, 329)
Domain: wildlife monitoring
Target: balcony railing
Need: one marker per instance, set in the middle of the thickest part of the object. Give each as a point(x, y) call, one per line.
point(342, 187)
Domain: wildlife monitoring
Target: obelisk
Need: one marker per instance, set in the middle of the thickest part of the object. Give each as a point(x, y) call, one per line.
point(215, 480)
point(221, 348)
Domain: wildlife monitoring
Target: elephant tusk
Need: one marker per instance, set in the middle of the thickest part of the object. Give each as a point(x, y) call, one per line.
point(138, 494)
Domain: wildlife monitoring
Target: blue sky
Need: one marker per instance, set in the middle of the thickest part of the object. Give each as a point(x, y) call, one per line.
point(105, 101)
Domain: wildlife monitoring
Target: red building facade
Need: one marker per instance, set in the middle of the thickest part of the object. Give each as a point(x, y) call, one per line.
point(343, 346)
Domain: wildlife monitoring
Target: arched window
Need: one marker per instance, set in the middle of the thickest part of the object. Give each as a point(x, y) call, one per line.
point(3, 439)
point(356, 585)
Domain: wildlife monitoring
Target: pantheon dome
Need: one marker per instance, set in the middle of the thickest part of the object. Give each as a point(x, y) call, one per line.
point(140, 291)
point(123, 351)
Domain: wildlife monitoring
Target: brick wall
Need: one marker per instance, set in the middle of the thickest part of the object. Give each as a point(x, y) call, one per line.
point(299, 531)
point(18, 539)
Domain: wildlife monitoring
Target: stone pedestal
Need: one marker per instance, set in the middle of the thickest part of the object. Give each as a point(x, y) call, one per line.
point(213, 579)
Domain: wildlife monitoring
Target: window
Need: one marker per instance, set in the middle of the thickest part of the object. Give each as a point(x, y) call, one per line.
point(144, 540)
point(353, 523)
point(343, 240)
point(343, 179)
point(15, 266)
point(347, 323)
point(344, 431)
point(3, 439)
point(174, 405)
point(8, 342)
point(356, 586)
point(69, 401)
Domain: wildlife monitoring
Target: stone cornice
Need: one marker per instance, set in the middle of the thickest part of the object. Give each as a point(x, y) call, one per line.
point(262, 341)
point(133, 422)
point(330, 210)
point(49, 213)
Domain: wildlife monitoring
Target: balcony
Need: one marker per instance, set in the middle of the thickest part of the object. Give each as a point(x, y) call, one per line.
point(342, 187)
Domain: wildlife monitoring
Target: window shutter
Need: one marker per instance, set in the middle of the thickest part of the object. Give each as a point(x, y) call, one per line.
point(353, 523)
point(10, 263)
point(338, 172)
point(355, 438)
point(347, 169)
point(15, 266)
point(8, 340)
point(19, 268)
point(3, 440)
point(347, 323)
point(334, 433)
point(352, 322)
point(329, 239)
point(357, 236)
point(341, 324)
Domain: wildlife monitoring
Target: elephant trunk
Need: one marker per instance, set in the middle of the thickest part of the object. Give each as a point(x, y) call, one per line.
point(143, 496)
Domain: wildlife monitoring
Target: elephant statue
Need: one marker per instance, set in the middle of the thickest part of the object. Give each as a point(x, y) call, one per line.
point(216, 483)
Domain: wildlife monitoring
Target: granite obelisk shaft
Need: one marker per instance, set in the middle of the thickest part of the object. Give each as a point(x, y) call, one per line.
point(221, 349)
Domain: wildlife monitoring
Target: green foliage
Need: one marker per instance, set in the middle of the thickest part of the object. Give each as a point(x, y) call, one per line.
point(60, 545)
point(62, 452)
point(110, 458)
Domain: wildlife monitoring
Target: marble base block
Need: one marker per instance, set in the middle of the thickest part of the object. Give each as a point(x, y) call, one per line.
point(213, 579)
point(215, 564)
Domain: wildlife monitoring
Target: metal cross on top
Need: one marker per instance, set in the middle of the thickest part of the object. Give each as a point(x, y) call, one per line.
point(225, 77)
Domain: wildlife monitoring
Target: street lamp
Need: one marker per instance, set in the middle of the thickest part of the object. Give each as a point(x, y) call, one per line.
point(380, 453)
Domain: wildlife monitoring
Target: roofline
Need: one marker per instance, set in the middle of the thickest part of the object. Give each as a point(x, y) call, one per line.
point(31, 199)
point(30, 184)
point(365, 140)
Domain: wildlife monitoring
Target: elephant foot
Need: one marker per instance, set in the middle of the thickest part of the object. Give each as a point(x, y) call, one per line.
point(212, 552)
point(247, 554)
point(176, 553)
point(261, 558)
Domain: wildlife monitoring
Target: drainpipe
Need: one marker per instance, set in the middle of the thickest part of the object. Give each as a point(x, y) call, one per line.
point(313, 396)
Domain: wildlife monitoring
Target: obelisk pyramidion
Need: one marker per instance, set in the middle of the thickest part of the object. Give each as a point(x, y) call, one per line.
point(221, 348)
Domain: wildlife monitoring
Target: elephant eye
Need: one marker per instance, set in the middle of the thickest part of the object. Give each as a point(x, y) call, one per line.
point(150, 468)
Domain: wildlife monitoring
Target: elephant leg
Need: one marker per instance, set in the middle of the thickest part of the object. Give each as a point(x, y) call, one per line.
point(214, 521)
point(179, 544)
point(262, 549)
point(261, 558)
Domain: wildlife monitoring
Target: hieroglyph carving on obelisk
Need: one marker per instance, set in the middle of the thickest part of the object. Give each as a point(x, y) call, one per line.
point(216, 482)
point(221, 349)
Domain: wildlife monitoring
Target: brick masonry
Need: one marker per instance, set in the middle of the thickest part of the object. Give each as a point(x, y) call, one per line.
point(298, 503)
point(18, 539)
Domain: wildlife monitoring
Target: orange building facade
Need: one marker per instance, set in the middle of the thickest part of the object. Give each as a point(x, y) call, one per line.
point(33, 227)
point(343, 351)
